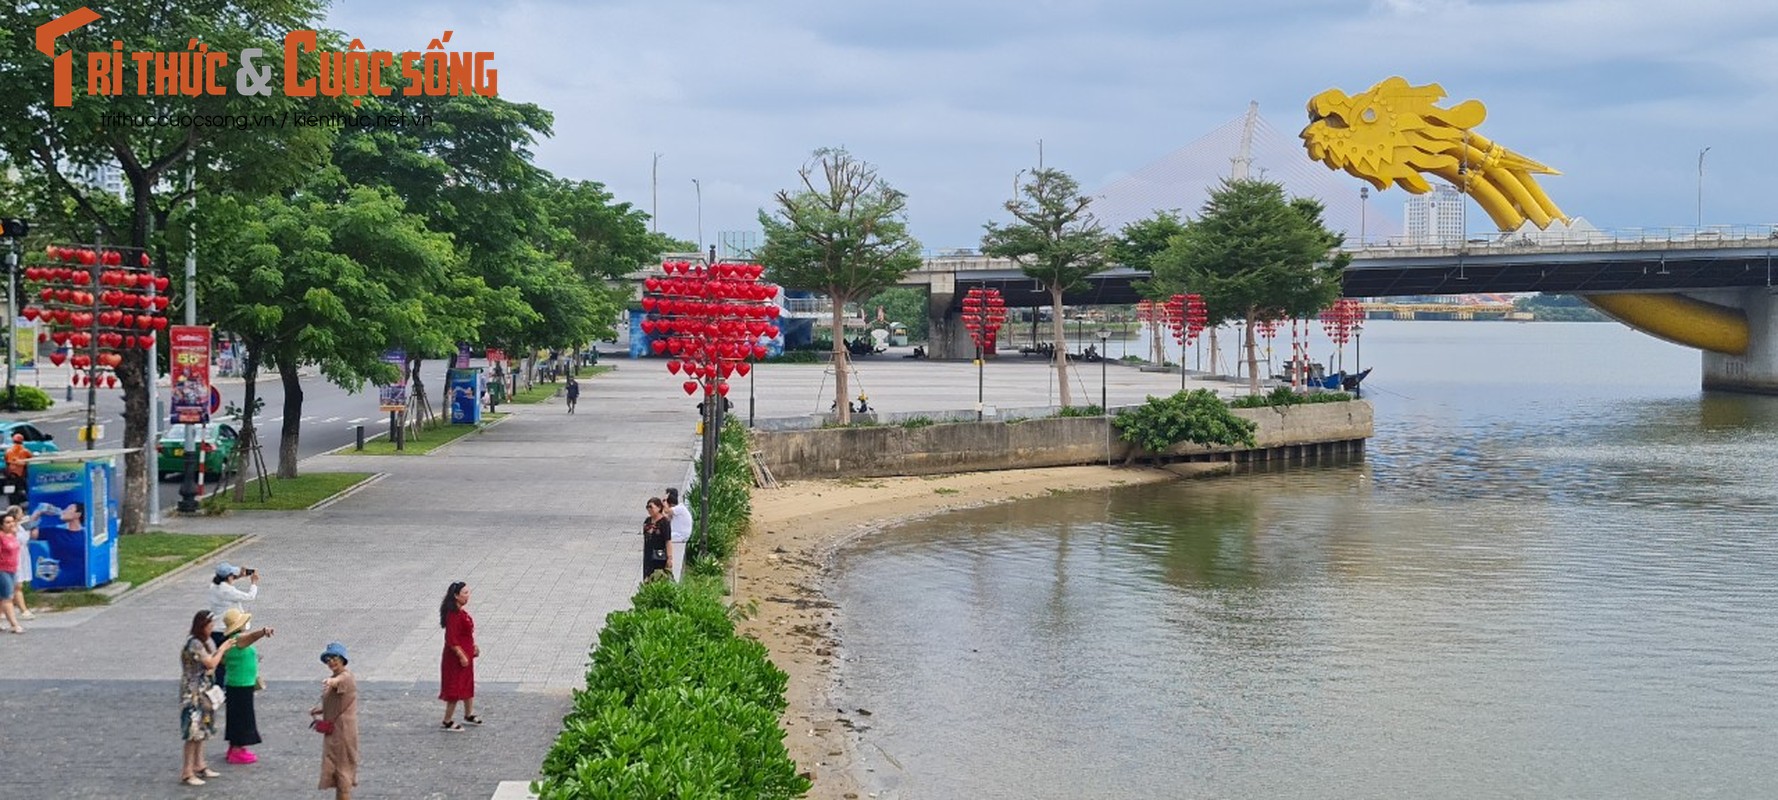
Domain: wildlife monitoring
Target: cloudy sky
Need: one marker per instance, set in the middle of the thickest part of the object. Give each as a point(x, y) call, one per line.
point(950, 99)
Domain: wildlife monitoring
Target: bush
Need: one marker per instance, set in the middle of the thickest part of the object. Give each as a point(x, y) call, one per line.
point(912, 423)
point(730, 505)
point(1081, 411)
point(798, 357)
point(1285, 396)
point(1198, 416)
point(675, 706)
point(31, 398)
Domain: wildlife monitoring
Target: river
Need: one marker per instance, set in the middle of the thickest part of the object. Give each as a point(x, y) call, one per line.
point(1555, 574)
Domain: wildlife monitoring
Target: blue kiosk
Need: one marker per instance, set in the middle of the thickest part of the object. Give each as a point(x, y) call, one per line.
point(73, 519)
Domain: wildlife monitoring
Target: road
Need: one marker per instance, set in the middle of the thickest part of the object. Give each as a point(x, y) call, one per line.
point(330, 416)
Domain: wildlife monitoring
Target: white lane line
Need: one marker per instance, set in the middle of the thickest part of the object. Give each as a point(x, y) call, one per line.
point(329, 420)
point(279, 418)
point(356, 420)
point(306, 419)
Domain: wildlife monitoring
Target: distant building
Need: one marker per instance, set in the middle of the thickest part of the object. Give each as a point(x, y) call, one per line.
point(1436, 218)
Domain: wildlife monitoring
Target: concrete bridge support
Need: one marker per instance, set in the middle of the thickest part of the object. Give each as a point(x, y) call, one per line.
point(1756, 370)
point(944, 325)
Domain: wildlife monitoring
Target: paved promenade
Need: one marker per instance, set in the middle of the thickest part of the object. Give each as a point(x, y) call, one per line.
point(538, 514)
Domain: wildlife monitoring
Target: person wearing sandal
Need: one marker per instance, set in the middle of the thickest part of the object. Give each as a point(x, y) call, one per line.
point(337, 721)
point(240, 681)
point(197, 709)
point(22, 578)
point(10, 548)
point(457, 665)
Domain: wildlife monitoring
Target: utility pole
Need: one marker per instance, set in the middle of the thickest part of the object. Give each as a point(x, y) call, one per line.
point(1364, 204)
point(654, 214)
point(1040, 154)
point(1701, 187)
point(700, 188)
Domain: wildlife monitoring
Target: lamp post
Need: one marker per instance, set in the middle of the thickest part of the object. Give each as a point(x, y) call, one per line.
point(1364, 203)
point(1104, 342)
point(1701, 187)
point(700, 189)
point(12, 230)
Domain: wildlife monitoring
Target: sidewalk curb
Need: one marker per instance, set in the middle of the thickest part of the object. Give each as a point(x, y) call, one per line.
point(348, 491)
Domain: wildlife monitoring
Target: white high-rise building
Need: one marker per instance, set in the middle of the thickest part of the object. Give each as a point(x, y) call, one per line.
point(1436, 218)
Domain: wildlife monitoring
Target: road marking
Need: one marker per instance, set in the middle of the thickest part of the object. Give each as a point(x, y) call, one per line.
point(279, 418)
point(306, 419)
point(357, 420)
point(329, 420)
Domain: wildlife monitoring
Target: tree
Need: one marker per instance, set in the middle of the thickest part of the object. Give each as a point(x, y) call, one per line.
point(846, 237)
point(1136, 247)
point(42, 140)
point(1056, 241)
point(309, 279)
point(903, 304)
point(1252, 253)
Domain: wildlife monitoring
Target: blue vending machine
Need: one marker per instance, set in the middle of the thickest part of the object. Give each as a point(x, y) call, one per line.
point(74, 516)
point(466, 391)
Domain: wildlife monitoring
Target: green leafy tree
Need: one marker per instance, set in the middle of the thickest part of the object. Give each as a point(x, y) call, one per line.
point(333, 282)
point(844, 233)
point(903, 304)
point(1251, 253)
point(1056, 241)
point(1136, 247)
point(43, 141)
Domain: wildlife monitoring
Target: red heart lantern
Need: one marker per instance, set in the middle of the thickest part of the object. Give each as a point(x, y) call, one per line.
point(75, 379)
point(743, 368)
point(161, 282)
point(673, 366)
point(145, 342)
point(110, 381)
point(144, 260)
point(759, 351)
point(722, 389)
point(47, 295)
point(689, 386)
point(160, 323)
point(31, 313)
point(659, 346)
point(58, 357)
point(161, 302)
point(60, 337)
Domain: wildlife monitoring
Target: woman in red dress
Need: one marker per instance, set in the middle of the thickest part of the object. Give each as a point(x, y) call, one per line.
point(457, 666)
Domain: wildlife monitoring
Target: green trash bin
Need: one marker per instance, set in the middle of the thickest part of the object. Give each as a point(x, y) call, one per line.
point(496, 392)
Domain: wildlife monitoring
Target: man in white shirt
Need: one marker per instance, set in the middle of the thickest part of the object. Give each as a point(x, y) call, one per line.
point(681, 532)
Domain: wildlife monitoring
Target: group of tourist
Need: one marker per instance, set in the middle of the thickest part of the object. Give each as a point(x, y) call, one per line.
point(664, 534)
point(221, 674)
point(15, 573)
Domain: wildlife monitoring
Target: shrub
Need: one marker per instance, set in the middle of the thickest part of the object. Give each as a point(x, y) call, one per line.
point(30, 398)
point(729, 498)
point(675, 706)
point(912, 423)
point(1081, 411)
point(1286, 396)
point(1198, 416)
point(797, 357)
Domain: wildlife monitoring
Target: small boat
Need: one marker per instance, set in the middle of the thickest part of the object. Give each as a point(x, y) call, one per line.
point(1317, 376)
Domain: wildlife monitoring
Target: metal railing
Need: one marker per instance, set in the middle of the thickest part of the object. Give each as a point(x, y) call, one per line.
point(1559, 238)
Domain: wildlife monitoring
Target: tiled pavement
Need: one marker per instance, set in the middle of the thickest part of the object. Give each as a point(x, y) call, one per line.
point(537, 514)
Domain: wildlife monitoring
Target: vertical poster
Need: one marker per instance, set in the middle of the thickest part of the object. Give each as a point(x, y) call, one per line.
point(462, 356)
point(190, 373)
point(393, 397)
point(24, 343)
point(465, 388)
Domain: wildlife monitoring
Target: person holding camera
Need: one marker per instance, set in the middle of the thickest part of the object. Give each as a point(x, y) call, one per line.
point(225, 596)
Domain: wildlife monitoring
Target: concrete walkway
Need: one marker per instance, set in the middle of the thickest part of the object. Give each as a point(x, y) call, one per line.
point(539, 514)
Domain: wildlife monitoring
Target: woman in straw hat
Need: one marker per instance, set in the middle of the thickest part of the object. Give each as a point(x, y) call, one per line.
point(337, 719)
point(241, 680)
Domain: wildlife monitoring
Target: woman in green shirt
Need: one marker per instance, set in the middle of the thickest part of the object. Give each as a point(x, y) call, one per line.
point(241, 679)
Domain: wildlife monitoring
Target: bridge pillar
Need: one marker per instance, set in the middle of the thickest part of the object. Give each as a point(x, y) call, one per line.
point(1756, 370)
point(944, 326)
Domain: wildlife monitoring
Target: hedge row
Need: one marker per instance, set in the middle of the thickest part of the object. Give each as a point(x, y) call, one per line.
point(676, 705)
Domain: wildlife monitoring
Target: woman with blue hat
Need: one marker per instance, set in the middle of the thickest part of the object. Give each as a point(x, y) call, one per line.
point(337, 721)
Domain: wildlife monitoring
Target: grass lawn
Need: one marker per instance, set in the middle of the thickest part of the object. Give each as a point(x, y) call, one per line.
point(292, 494)
point(140, 559)
point(544, 391)
point(433, 436)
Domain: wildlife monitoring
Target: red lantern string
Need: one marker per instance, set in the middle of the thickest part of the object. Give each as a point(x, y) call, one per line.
point(709, 320)
point(119, 309)
point(984, 311)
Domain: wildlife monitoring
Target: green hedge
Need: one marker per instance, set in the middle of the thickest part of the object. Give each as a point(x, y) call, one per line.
point(30, 398)
point(1286, 396)
point(730, 503)
point(675, 706)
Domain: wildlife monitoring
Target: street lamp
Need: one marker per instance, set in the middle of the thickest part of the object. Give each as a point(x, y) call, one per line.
point(700, 189)
point(1104, 343)
point(1701, 187)
point(12, 230)
point(1364, 202)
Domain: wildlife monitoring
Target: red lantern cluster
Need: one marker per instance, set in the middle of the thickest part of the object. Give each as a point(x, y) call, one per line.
point(1267, 328)
point(1187, 315)
point(709, 321)
point(983, 313)
point(1339, 320)
point(1149, 311)
point(84, 296)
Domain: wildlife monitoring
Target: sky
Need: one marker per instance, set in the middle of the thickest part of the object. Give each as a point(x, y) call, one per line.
point(951, 99)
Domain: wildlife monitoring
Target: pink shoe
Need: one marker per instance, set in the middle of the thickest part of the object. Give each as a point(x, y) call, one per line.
point(241, 755)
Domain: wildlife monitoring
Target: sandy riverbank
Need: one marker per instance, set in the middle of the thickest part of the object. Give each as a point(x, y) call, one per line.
point(782, 566)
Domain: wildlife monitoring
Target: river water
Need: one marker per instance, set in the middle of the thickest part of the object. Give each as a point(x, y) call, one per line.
point(1554, 575)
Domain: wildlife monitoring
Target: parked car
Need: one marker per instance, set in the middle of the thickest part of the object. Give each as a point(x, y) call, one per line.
point(36, 440)
point(217, 445)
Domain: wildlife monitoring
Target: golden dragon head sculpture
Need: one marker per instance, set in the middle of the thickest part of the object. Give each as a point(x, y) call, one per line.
point(1395, 132)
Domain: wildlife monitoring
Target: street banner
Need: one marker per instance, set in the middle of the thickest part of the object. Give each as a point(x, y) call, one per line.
point(496, 355)
point(462, 356)
point(24, 343)
point(190, 373)
point(393, 397)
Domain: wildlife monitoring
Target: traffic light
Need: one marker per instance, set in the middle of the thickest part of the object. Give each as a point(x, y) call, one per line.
point(11, 228)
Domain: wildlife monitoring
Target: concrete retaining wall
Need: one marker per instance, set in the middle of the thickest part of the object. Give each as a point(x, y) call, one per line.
point(1297, 431)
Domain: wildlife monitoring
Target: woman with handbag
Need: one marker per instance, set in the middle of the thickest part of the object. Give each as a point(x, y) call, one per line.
point(240, 670)
point(199, 697)
point(336, 719)
point(657, 532)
